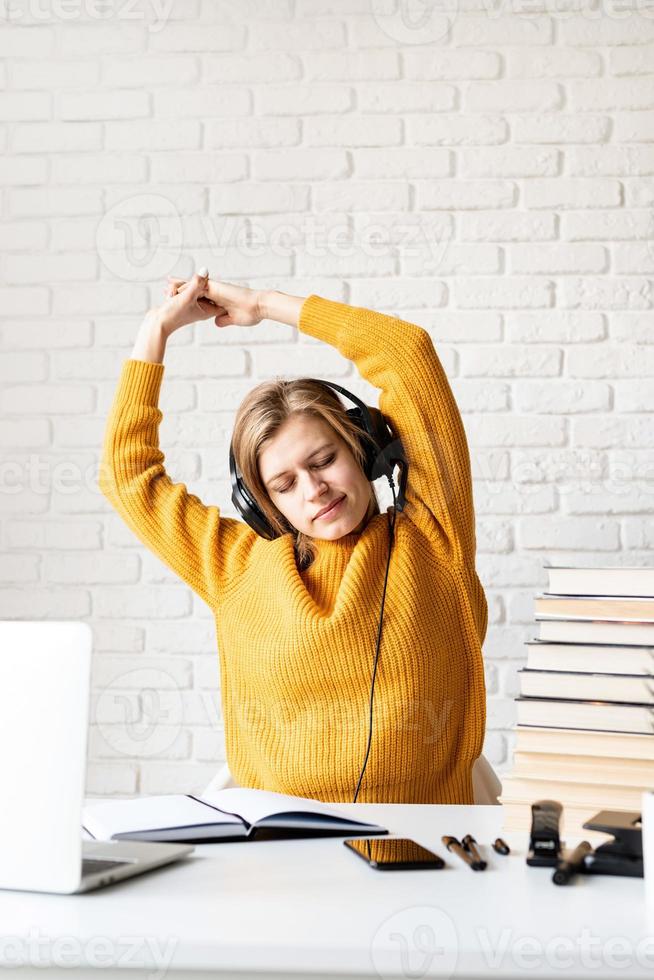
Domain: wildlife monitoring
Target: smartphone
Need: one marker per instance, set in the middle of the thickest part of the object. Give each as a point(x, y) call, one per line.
point(394, 853)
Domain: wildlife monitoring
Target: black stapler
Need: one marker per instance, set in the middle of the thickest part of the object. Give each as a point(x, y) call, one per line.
point(544, 841)
point(624, 854)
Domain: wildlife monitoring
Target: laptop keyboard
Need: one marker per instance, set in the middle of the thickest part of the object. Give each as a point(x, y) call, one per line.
point(92, 865)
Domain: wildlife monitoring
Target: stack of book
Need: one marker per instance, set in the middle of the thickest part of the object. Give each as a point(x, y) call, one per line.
point(585, 713)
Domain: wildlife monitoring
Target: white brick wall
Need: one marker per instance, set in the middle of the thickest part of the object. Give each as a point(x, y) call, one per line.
point(486, 171)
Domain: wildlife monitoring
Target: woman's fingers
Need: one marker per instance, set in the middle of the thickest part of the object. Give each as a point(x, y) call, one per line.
point(176, 286)
point(229, 303)
point(190, 298)
point(210, 308)
point(218, 292)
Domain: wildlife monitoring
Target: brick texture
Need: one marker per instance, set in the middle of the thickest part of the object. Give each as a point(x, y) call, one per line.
point(485, 173)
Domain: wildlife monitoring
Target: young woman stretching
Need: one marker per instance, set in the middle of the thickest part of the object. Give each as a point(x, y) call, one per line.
point(297, 615)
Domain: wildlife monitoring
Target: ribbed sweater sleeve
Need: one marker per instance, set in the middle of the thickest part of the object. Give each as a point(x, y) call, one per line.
point(204, 548)
point(399, 358)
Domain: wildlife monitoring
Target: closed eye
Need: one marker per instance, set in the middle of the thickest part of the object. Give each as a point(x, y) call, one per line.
point(324, 463)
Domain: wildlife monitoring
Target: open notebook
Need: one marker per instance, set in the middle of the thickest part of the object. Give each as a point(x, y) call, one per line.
point(218, 814)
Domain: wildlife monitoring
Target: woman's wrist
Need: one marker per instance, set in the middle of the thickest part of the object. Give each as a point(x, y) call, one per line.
point(151, 339)
point(275, 305)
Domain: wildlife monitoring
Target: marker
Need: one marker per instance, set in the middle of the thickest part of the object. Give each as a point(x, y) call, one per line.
point(452, 844)
point(569, 866)
point(500, 846)
point(470, 843)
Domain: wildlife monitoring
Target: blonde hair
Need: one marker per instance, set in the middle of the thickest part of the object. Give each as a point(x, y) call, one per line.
point(261, 413)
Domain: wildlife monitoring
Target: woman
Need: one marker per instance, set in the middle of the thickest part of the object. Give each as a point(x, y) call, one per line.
point(297, 616)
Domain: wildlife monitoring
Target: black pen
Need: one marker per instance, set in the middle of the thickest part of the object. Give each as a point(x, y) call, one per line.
point(452, 844)
point(569, 866)
point(470, 845)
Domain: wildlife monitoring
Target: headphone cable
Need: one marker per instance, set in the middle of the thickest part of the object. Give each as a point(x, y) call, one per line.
point(391, 533)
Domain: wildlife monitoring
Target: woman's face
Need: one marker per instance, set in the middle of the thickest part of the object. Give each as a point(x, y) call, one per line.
point(307, 466)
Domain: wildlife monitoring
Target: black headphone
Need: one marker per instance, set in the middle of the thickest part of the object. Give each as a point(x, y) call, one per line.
point(382, 454)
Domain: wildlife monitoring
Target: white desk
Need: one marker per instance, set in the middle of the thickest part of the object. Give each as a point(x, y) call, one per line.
point(311, 908)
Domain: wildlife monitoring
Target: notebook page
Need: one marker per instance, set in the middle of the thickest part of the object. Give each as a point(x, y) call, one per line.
point(108, 817)
point(254, 804)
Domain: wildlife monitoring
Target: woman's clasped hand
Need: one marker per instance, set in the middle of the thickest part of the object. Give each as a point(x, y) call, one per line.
point(201, 298)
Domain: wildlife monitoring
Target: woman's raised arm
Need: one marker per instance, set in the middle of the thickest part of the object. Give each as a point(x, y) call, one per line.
point(281, 307)
point(204, 548)
point(151, 340)
point(399, 357)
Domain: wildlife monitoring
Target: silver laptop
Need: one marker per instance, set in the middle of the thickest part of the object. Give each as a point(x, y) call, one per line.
point(45, 674)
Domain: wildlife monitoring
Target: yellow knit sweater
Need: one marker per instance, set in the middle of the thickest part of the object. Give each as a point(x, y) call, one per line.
point(296, 649)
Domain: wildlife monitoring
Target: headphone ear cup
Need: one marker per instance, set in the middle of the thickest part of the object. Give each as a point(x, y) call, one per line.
point(369, 450)
point(392, 452)
point(378, 454)
point(245, 504)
